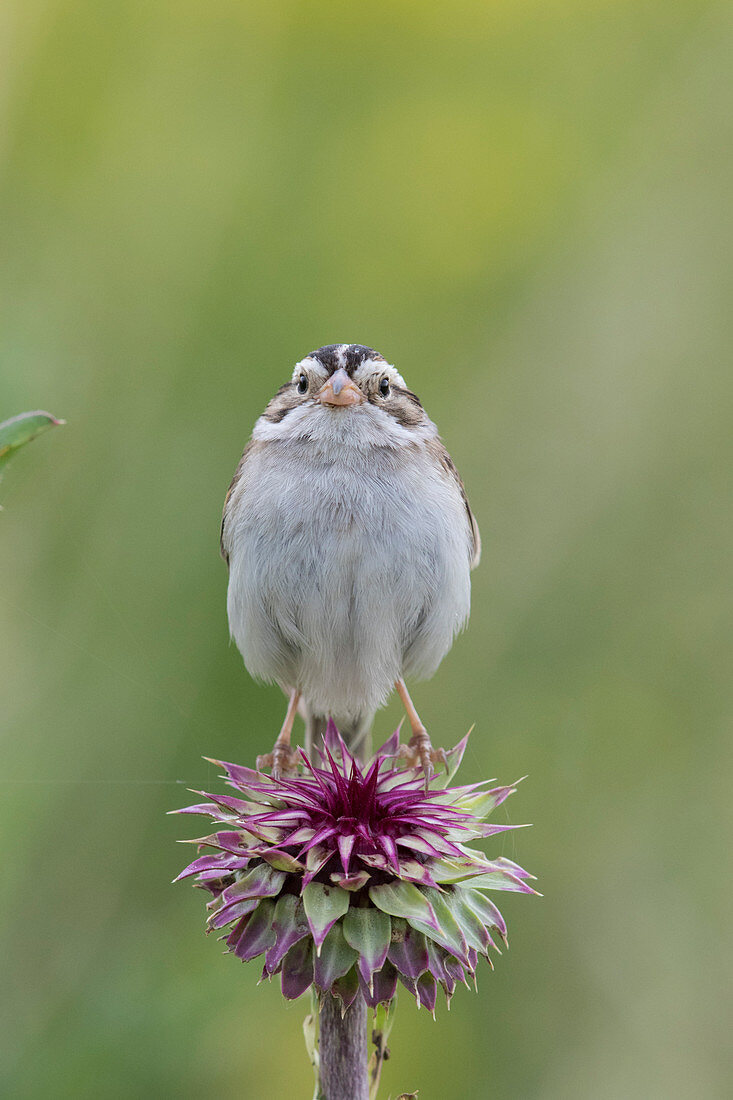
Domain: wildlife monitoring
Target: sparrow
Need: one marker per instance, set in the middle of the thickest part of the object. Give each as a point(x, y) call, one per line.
point(349, 540)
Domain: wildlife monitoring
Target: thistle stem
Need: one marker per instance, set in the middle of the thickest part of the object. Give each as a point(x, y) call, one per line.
point(343, 1050)
point(342, 1040)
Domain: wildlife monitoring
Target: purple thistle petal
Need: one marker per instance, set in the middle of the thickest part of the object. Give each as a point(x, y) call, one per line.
point(209, 809)
point(389, 848)
point(346, 989)
point(212, 863)
point(455, 757)
point(435, 847)
point(375, 859)
point(455, 970)
point(354, 881)
point(331, 737)
point(227, 841)
point(383, 989)
point(290, 925)
point(282, 819)
point(236, 932)
point(418, 844)
point(242, 776)
point(301, 836)
point(211, 881)
point(436, 839)
point(385, 984)
point(391, 745)
point(297, 969)
point(432, 820)
point(427, 992)
point(232, 911)
point(316, 859)
point(229, 802)
point(339, 780)
point(366, 796)
point(346, 847)
point(412, 871)
point(408, 950)
point(323, 834)
point(396, 779)
point(282, 861)
point(258, 934)
point(262, 881)
point(438, 966)
point(409, 983)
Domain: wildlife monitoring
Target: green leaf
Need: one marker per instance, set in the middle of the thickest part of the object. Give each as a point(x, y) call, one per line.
point(404, 899)
point(19, 430)
point(369, 931)
point(500, 880)
point(454, 756)
point(282, 861)
point(485, 910)
point(351, 882)
point(453, 870)
point(471, 925)
point(262, 881)
point(323, 907)
point(384, 1015)
point(311, 1043)
point(336, 958)
point(452, 936)
point(481, 803)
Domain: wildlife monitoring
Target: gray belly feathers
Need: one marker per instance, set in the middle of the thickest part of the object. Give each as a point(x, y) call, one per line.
point(345, 575)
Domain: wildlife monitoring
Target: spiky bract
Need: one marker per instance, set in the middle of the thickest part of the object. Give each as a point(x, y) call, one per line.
point(351, 878)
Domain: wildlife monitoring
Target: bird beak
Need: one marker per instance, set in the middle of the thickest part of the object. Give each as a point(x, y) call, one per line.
point(340, 390)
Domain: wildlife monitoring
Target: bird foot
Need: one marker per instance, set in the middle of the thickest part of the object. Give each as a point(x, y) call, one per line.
point(283, 760)
point(419, 753)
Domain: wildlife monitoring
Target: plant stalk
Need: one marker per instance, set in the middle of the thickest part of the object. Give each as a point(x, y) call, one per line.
point(343, 1050)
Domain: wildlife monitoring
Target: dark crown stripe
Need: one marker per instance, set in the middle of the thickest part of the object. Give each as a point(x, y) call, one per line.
point(350, 356)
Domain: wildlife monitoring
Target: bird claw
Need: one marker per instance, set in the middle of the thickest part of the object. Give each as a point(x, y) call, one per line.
point(283, 760)
point(419, 753)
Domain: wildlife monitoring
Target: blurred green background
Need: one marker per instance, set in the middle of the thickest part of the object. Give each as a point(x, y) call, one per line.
point(526, 207)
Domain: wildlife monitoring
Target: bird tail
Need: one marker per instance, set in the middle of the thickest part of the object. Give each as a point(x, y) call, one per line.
point(357, 733)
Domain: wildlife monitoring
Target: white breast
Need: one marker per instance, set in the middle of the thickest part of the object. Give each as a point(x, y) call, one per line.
point(349, 559)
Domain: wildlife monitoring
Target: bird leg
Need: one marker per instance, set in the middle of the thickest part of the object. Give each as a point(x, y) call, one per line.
point(418, 752)
point(283, 758)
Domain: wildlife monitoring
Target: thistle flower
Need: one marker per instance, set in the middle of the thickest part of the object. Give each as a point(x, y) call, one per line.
point(352, 879)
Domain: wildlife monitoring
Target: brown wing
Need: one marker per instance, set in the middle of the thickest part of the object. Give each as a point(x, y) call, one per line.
point(232, 486)
point(448, 465)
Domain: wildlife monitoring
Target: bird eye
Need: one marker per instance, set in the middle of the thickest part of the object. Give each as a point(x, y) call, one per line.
point(303, 384)
point(384, 387)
